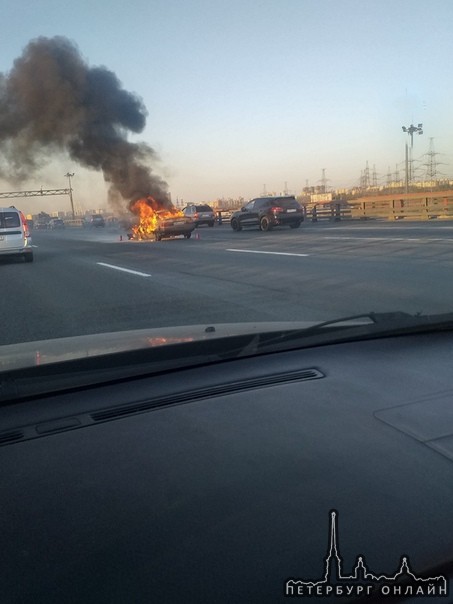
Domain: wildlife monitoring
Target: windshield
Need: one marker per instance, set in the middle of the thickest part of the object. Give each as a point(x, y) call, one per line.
point(343, 139)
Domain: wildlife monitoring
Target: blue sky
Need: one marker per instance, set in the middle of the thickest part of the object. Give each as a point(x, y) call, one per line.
point(242, 94)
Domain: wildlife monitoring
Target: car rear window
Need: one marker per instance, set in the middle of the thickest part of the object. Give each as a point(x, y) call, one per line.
point(9, 220)
point(287, 203)
point(204, 209)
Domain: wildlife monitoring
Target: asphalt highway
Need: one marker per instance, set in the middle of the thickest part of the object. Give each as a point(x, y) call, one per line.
point(91, 281)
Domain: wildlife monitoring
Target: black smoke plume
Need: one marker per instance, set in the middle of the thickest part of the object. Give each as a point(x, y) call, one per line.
point(52, 101)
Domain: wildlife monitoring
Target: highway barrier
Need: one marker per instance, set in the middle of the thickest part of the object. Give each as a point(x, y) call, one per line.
point(73, 222)
point(412, 206)
point(331, 211)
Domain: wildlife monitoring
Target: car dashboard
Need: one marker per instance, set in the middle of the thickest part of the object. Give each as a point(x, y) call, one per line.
point(218, 483)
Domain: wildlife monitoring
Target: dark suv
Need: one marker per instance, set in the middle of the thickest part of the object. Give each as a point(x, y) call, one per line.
point(268, 212)
point(201, 214)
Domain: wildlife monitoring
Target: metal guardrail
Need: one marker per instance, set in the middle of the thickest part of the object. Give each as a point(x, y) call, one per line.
point(74, 222)
point(414, 206)
point(313, 212)
point(333, 212)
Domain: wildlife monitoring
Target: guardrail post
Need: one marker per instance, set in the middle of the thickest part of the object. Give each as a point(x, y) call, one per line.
point(392, 206)
point(337, 212)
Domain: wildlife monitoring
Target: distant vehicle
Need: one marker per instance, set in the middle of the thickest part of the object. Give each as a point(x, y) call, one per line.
point(200, 214)
point(113, 222)
point(56, 223)
point(15, 239)
point(94, 220)
point(41, 224)
point(269, 212)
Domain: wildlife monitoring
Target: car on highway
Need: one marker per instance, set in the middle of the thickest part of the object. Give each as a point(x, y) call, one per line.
point(94, 221)
point(56, 224)
point(174, 226)
point(41, 224)
point(15, 238)
point(267, 213)
point(200, 214)
point(167, 225)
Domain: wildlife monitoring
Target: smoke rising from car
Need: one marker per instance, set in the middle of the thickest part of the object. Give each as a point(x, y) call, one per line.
point(52, 101)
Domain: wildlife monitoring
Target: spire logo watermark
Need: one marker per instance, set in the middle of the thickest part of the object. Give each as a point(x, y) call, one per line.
point(362, 581)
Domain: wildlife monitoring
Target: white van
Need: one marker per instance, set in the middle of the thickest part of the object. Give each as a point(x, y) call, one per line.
point(15, 237)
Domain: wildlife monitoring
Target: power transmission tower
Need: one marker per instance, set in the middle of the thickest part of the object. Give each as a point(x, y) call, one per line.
point(362, 180)
point(324, 181)
point(432, 174)
point(366, 177)
point(389, 177)
point(397, 176)
point(374, 177)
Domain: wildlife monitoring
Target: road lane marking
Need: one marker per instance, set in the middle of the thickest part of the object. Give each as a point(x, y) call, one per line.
point(261, 252)
point(125, 270)
point(390, 239)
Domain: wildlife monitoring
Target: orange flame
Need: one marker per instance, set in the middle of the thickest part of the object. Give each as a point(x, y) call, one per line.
point(150, 214)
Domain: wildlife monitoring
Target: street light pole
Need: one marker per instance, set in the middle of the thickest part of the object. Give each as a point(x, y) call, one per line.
point(68, 176)
point(410, 130)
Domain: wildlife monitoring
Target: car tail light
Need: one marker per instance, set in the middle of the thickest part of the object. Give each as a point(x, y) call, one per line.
point(25, 225)
point(276, 209)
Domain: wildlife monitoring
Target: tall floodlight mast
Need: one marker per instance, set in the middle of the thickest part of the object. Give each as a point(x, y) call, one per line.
point(410, 130)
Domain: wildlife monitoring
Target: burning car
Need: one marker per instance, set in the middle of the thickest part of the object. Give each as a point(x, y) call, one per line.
point(158, 223)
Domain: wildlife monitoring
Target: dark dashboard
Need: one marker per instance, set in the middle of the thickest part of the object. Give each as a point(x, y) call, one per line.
point(217, 483)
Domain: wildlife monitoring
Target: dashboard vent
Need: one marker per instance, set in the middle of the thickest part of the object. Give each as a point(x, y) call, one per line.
point(11, 437)
point(222, 389)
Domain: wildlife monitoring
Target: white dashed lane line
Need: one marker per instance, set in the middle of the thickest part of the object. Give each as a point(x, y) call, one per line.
point(124, 270)
point(262, 252)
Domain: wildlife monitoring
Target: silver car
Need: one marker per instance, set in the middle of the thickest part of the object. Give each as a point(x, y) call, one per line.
point(200, 214)
point(15, 239)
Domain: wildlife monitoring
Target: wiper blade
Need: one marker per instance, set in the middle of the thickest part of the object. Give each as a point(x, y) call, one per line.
point(355, 327)
point(398, 319)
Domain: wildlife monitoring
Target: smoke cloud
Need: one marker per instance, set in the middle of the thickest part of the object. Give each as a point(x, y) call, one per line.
point(52, 101)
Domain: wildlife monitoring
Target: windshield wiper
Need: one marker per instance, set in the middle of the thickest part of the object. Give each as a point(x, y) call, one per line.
point(389, 320)
point(355, 327)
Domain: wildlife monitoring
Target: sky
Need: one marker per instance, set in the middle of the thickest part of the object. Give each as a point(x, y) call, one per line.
point(248, 95)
